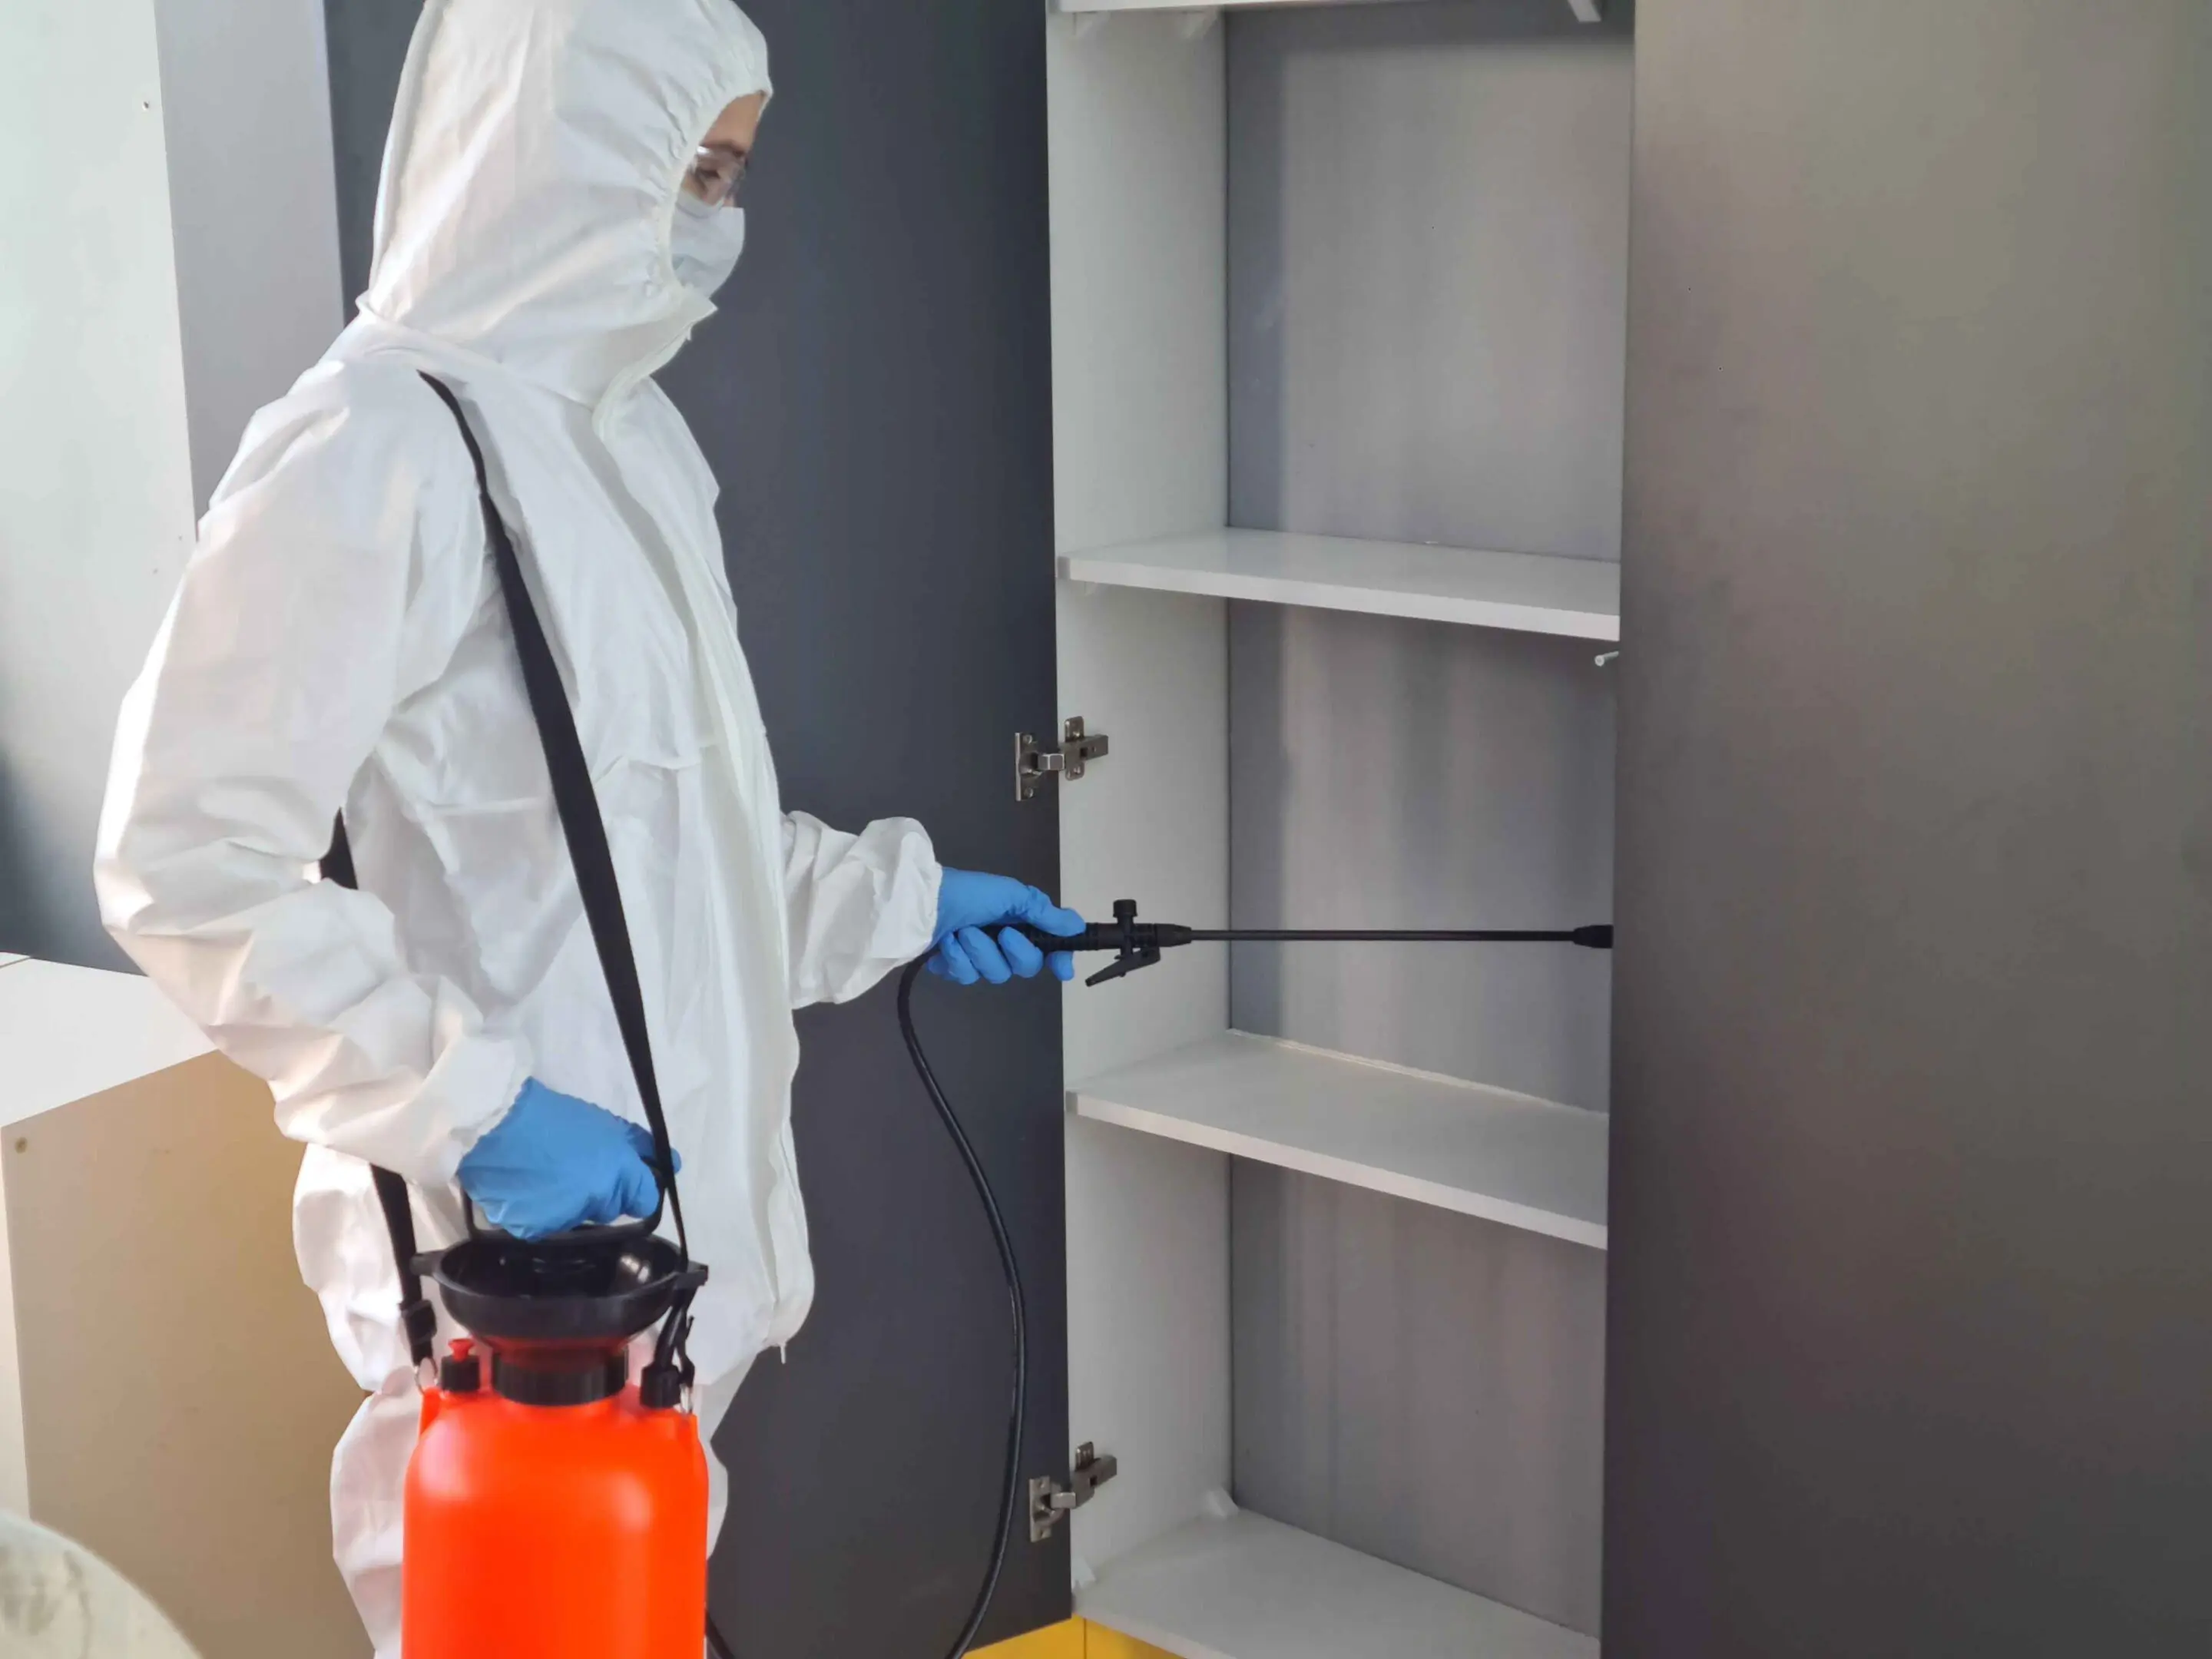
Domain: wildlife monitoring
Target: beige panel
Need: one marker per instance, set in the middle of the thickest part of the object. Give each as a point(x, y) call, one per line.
point(179, 1395)
point(15, 1478)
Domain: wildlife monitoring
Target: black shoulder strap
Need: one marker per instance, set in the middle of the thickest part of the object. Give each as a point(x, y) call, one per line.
point(578, 804)
point(417, 1317)
point(585, 829)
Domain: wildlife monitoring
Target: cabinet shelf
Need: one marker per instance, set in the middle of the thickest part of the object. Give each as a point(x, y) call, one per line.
point(1531, 593)
point(1507, 1157)
point(1248, 1588)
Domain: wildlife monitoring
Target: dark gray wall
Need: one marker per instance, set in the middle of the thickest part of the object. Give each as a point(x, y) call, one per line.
point(875, 397)
point(366, 44)
point(1911, 1277)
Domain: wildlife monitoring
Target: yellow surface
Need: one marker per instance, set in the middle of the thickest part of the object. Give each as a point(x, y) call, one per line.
point(1059, 1642)
point(1103, 1643)
point(1075, 1639)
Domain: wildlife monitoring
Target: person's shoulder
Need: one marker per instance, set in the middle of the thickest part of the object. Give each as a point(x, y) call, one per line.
point(362, 430)
point(375, 388)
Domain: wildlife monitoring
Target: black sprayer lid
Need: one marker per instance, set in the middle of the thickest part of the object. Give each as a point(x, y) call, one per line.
point(577, 1289)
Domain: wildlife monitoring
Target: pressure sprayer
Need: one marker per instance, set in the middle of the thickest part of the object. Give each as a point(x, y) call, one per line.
point(555, 1504)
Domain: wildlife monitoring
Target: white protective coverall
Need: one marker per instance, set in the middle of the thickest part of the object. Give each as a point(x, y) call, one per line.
point(339, 640)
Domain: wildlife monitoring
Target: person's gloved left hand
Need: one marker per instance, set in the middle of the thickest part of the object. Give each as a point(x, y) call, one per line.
point(555, 1162)
point(969, 904)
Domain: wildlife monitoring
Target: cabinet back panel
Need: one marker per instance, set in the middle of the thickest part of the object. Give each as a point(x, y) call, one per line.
point(1428, 269)
point(1393, 774)
point(1423, 1386)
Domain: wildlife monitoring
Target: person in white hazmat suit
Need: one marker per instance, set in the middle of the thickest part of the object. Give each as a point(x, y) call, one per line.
point(556, 204)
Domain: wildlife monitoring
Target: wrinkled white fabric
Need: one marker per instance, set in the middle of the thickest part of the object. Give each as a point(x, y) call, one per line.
point(339, 640)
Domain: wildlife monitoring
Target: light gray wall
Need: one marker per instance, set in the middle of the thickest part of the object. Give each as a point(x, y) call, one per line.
point(1912, 1317)
point(1428, 229)
point(1430, 1390)
point(1428, 223)
point(253, 208)
point(171, 263)
point(95, 481)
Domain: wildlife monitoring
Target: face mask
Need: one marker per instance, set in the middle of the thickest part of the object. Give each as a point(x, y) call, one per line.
point(704, 243)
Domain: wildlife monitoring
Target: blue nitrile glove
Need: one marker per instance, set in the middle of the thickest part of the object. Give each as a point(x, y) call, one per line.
point(968, 903)
point(555, 1162)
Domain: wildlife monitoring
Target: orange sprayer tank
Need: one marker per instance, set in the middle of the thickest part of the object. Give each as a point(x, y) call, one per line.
point(555, 1508)
point(553, 1531)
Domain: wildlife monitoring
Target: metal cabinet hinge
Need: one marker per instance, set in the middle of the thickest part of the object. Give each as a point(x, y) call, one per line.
point(1034, 764)
point(1049, 1501)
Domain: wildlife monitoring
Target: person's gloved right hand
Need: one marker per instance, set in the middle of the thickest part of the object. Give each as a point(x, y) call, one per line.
point(555, 1162)
point(970, 905)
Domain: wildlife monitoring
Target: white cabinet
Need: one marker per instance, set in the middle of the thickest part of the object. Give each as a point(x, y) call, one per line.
point(1163, 250)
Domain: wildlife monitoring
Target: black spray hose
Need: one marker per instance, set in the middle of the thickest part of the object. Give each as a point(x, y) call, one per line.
point(1137, 945)
point(1017, 1412)
point(1018, 1407)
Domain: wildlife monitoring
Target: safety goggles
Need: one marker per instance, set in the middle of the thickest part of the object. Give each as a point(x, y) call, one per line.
point(715, 173)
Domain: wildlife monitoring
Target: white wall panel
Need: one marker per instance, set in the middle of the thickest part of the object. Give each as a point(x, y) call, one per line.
point(1148, 1329)
point(171, 264)
point(95, 471)
point(1138, 269)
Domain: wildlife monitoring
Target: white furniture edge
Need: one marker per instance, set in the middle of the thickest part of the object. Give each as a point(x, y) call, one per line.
point(66, 1033)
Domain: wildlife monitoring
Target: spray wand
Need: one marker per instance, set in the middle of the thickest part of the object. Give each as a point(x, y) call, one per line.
point(1138, 943)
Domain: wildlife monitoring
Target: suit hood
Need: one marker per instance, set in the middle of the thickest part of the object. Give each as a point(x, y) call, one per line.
point(535, 153)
